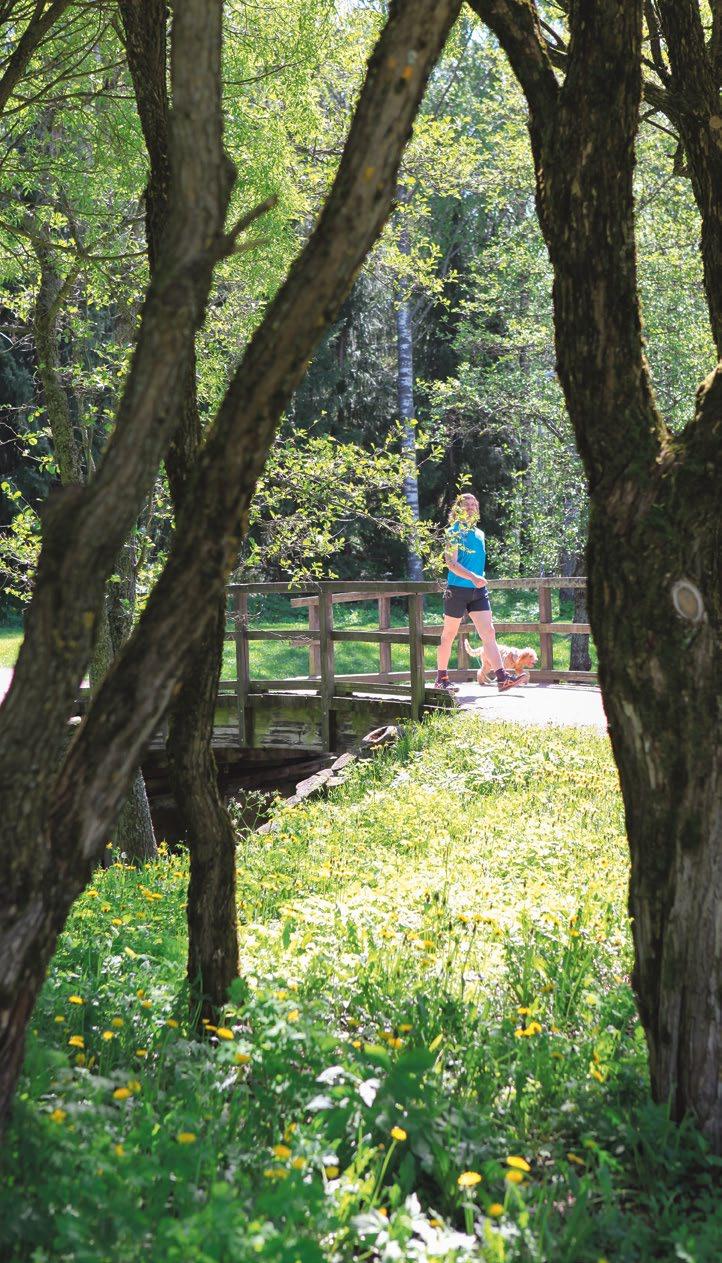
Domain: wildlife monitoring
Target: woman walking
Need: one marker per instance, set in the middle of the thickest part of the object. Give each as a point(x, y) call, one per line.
point(467, 592)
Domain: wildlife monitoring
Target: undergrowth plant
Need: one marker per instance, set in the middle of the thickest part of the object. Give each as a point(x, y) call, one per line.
point(431, 1053)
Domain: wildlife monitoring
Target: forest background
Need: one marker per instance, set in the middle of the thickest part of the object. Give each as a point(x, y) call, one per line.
point(439, 372)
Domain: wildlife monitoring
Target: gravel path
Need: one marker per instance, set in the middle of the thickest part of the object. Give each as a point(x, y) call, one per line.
point(565, 704)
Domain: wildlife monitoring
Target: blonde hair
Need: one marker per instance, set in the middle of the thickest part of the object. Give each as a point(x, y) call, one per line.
point(458, 508)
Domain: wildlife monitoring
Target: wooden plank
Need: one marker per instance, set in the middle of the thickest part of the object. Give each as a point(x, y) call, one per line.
point(416, 654)
point(547, 677)
point(395, 706)
point(340, 598)
point(326, 652)
point(314, 653)
point(553, 629)
point(384, 625)
point(243, 672)
point(362, 586)
point(551, 581)
point(545, 617)
point(292, 635)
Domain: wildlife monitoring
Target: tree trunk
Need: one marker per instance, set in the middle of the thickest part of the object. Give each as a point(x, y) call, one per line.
point(579, 655)
point(407, 413)
point(655, 570)
point(205, 823)
point(212, 917)
point(665, 730)
point(132, 832)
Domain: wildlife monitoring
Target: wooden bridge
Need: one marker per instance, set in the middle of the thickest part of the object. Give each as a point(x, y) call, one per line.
point(327, 711)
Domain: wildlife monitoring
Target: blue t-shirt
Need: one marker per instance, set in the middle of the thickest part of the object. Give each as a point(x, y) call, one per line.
point(471, 553)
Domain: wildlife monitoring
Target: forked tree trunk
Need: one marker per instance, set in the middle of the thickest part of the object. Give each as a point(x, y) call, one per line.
point(205, 824)
point(53, 825)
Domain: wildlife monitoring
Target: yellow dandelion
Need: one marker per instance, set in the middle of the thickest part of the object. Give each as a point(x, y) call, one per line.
point(141, 1052)
point(275, 1173)
point(281, 1151)
point(331, 1172)
point(134, 1085)
point(393, 1041)
point(118, 1150)
point(75, 999)
point(140, 993)
point(146, 1004)
point(514, 1177)
point(495, 1210)
point(223, 1032)
point(122, 1094)
point(468, 1179)
point(172, 1023)
point(398, 1133)
point(517, 1163)
point(107, 1035)
point(116, 1021)
point(59, 1017)
point(186, 1137)
point(116, 921)
point(242, 1059)
point(405, 1027)
point(356, 1043)
point(294, 1015)
point(58, 1115)
point(298, 1164)
point(76, 1041)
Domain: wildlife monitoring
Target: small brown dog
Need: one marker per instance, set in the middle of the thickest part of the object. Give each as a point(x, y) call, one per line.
point(516, 660)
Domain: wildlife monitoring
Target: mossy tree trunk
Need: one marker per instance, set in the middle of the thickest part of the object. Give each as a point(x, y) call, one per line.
point(654, 536)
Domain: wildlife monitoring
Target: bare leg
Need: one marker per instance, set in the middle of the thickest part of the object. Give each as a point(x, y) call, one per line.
point(484, 624)
point(448, 636)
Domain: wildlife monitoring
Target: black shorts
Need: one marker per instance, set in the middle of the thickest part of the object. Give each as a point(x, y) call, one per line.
point(460, 601)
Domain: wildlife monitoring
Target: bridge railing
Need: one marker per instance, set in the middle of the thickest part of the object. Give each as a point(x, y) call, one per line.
point(320, 636)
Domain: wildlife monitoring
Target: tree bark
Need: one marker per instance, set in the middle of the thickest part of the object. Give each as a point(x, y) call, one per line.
point(654, 537)
point(205, 823)
point(54, 826)
point(405, 353)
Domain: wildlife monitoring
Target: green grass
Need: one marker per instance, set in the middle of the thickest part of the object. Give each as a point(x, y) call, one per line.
point(440, 948)
point(10, 641)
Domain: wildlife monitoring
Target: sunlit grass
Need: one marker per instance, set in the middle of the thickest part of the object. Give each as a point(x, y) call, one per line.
point(432, 1053)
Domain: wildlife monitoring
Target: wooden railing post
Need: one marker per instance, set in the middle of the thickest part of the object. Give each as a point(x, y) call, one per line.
point(546, 643)
point(328, 667)
point(462, 657)
point(384, 624)
point(243, 673)
point(416, 654)
point(314, 653)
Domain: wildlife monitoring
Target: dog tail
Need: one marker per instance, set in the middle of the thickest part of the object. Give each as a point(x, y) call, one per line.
point(473, 653)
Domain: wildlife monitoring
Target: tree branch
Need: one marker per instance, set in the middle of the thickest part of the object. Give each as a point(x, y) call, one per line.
point(516, 26)
point(139, 687)
point(40, 23)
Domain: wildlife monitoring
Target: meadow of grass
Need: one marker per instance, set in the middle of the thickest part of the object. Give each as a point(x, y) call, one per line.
point(431, 1054)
